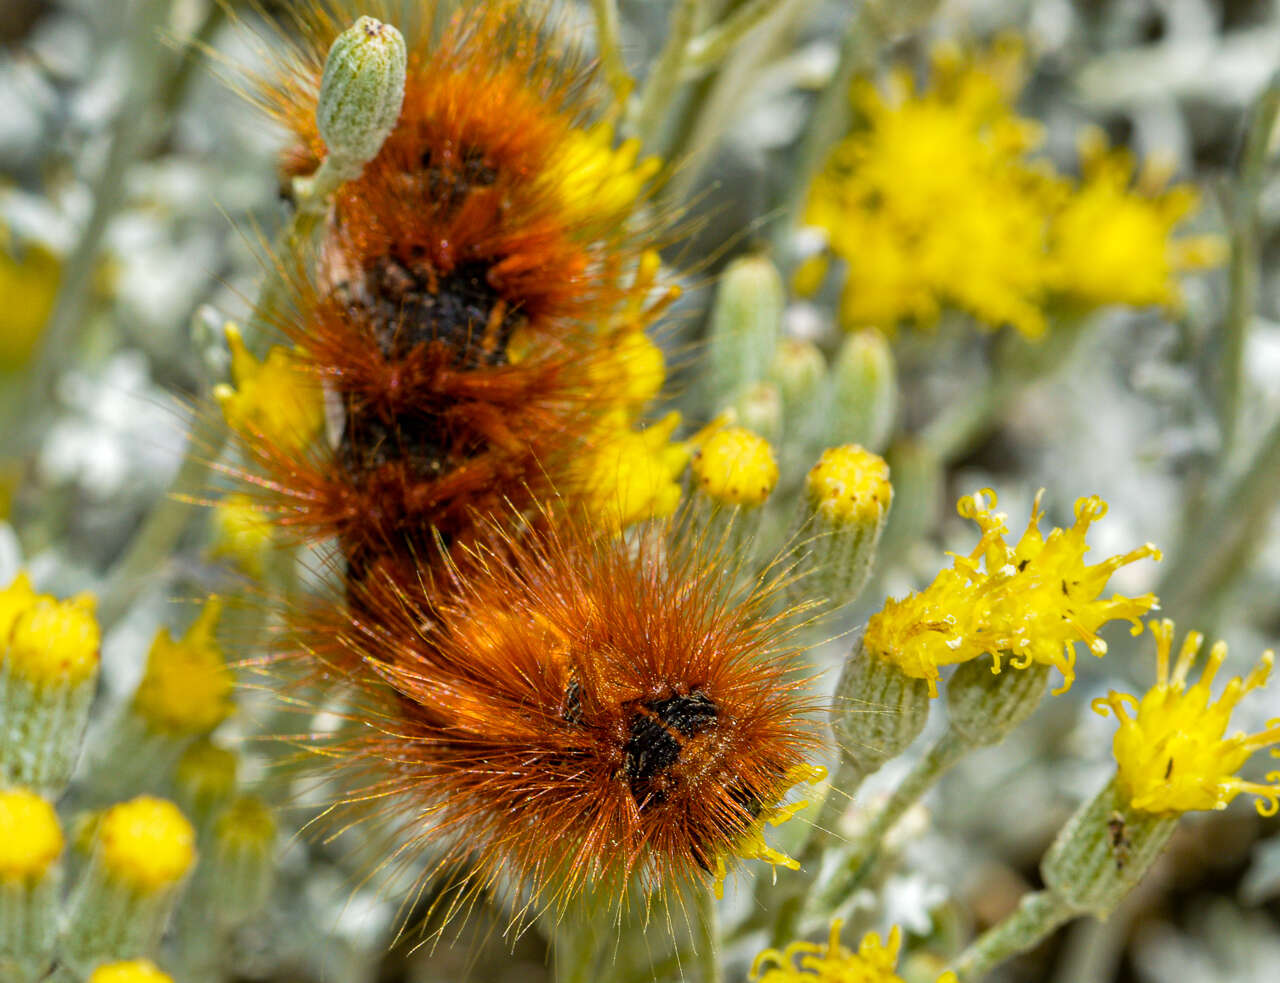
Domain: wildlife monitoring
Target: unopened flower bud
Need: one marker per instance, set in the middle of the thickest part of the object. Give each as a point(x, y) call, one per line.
point(30, 874)
point(133, 971)
point(143, 852)
point(745, 324)
point(48, 667)
point(735, 467)
point(864, 392)
point(242, 860)
point(985, 706)
point(759, 409)
point(797, 368)
point(361, 93)
point(877, 711)
point(1103, 851)
point(846, 503)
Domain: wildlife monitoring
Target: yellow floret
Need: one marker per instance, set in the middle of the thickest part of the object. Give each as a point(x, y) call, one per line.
point(55, 643)
point(600, 183)
point(1034, 601)
point(29, 283)
point(808, 962)
point(30, 836)
point(632, 371)
point(1113, 243)
point(630, 475)
point(134, 971)
point(147, 843)
point(186, 688)
point(1171, 748)
point(242, 533)
point(273, 400)
point(14, 600)
point(735, 467)
point(849, 484)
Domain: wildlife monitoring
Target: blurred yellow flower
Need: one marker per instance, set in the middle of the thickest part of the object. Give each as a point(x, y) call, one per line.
point(932, 201)
point(187, 686)
point(1112, 241)
point(29, 281)
point(1171, 750)
point(629, 475)
point(273, 400)
point(810, 962)
point(600, 183)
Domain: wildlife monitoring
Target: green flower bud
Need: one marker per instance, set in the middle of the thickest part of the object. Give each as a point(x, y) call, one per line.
point(864, 392)
point(243, 861)
point(759, 409)
point(985, 706)
point(31, 845)
point(745, 324)
point(878, 710)
point(798, 368)
point(361, 93)
point(846, 501)
point(1103, 851)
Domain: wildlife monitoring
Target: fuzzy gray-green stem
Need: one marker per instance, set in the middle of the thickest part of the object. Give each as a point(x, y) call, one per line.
point(609, 47)
point(710, 47)
point(663, 81)
point(938, 760)
point(1244, 263)
point(707, 943)
point(1037, 915)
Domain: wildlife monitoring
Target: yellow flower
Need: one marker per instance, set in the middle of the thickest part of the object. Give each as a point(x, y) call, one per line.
point(600, 183)
point(1171, 751)
point(932, 202)
point(186, 688)
point(133, 971)
point(753, 846)
point(849, 484)
point(629, 475)
point(809, 962)
point(48, 642)
point(273, 400)
point(30, 836)
point(631, 372)
point(1032, 602)
point(1112, 243)
point(242, 533)
point(146, 843)
point(733, 466)
point(29, 285)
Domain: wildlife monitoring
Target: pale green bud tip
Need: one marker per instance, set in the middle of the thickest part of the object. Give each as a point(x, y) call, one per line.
point(361, 92)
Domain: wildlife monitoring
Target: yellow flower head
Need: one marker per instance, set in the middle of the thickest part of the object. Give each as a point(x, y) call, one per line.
point(1033, 601)
point(809, 962)
point(133, 971)
point(933, 202)
point(1112, 240)
point(1171, 751)
point(48, 642)
point(600, 183)
point(242, 533)
point(631, 372)
point(273, 400)
point(733, 466)
point(30, 837)
point(1047, 599)
point(186, 688)
point(849, 484)
point(630, 475)
point(146, 843)
point(753, 845)
point(29, 283)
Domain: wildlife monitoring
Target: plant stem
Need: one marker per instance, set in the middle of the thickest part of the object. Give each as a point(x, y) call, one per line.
point(660, 87)
point(710, 47)
point(708, 941)
point(1244, 263)
point(1037, 915)
point(609, 48)
point(938, 760)
point(575, 950)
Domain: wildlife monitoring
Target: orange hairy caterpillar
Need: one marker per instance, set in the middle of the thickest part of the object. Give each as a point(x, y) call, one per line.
point(518, 668)
point(467, 291)
point(586, 712)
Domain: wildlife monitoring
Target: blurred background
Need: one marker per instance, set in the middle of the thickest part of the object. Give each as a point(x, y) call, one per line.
point(137, 188)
